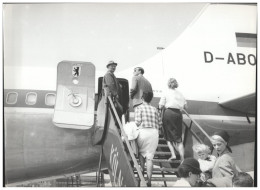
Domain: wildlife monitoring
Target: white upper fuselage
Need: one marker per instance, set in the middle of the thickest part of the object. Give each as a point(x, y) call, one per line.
point(213, 60)
point(203, 59)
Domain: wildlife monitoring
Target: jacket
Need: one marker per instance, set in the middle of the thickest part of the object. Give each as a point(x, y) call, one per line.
point(139, 85)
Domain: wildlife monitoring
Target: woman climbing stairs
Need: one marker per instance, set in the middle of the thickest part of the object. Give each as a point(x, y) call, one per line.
point(164, 170)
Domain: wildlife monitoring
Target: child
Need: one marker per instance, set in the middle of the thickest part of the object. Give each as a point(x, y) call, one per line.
point(206, 160)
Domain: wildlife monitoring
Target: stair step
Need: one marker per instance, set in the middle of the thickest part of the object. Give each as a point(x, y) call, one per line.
point(172, 170)
point(162, 153)
point(163, 178)
point(162, 146)
point(167, 161)
point(156, 173)
point(162, 139)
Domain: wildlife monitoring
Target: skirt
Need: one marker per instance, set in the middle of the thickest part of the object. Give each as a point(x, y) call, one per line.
point(147, 141)
point(172, 125)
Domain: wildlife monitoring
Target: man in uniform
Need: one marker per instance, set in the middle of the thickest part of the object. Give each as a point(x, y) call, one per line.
point(112, 87)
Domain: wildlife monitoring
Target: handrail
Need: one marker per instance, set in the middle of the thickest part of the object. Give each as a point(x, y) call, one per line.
point(193, 133)
point(202, 130)
point(143, 182)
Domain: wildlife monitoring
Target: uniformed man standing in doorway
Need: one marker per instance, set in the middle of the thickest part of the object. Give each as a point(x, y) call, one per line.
point(112, 87)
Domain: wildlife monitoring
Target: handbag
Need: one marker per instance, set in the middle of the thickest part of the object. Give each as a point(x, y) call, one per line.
point(132, 133)
point(131, 130)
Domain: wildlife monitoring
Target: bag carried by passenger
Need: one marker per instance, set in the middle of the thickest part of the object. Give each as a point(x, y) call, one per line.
point(132, 132)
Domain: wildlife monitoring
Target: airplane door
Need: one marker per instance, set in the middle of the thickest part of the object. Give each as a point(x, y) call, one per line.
point(124, 97)
point(75, 99)
point(101, 127)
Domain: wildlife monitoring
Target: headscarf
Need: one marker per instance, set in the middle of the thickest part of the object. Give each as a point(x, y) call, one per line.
point(222, 136)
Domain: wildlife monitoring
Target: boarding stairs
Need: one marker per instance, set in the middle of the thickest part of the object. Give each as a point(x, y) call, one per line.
point(82, 180)
point(164, 170)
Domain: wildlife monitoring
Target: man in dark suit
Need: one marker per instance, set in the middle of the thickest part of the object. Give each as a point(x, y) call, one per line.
point(139, 85)
point(112, 87)
point(110, 83)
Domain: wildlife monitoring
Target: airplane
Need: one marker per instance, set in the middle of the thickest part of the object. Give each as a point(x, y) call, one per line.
point(55, 133)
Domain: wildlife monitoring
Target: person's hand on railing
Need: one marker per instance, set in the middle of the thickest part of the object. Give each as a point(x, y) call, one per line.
point(160, 107)
point(123, 138)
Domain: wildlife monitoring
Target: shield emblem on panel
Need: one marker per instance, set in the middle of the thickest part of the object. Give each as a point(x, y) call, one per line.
point(76, 69)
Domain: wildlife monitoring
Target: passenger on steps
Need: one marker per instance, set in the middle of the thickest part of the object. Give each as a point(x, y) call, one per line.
point(148, 120)
point(139, 85)
point(174, 102)
point(111, 87)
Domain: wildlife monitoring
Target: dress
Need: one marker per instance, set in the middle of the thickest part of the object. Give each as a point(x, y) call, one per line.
point(139, 85)
point(174, 101)
point(148, 120)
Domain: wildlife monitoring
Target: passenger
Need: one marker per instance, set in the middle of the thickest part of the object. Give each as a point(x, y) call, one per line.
point(112, 87)
point(242, 179)
point(224, 165)
point(174, 102)
point(148, 120)
point(139, 85)
point(189, 171)
point(206, 160)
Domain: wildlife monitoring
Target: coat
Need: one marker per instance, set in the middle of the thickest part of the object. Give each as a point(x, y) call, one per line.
point(224, 166)
point(111, 85)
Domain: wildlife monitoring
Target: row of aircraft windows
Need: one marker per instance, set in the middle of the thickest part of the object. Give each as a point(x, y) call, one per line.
point(31, 98)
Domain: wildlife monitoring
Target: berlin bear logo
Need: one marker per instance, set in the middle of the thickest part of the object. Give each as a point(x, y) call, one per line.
point(76, 71)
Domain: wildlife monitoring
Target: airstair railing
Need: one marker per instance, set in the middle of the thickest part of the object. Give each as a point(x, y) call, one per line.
point(200, 128)
point(143, 182)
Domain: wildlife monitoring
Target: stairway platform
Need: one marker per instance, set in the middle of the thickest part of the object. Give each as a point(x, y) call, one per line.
point(162, 146)
point(163, 153)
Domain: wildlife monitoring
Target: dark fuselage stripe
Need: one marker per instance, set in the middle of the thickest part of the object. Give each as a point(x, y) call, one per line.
point(194, 107)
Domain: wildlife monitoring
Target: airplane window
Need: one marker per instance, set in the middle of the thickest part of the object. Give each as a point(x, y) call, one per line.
point(11, 97)
point(50, 99)
point(31, 98)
